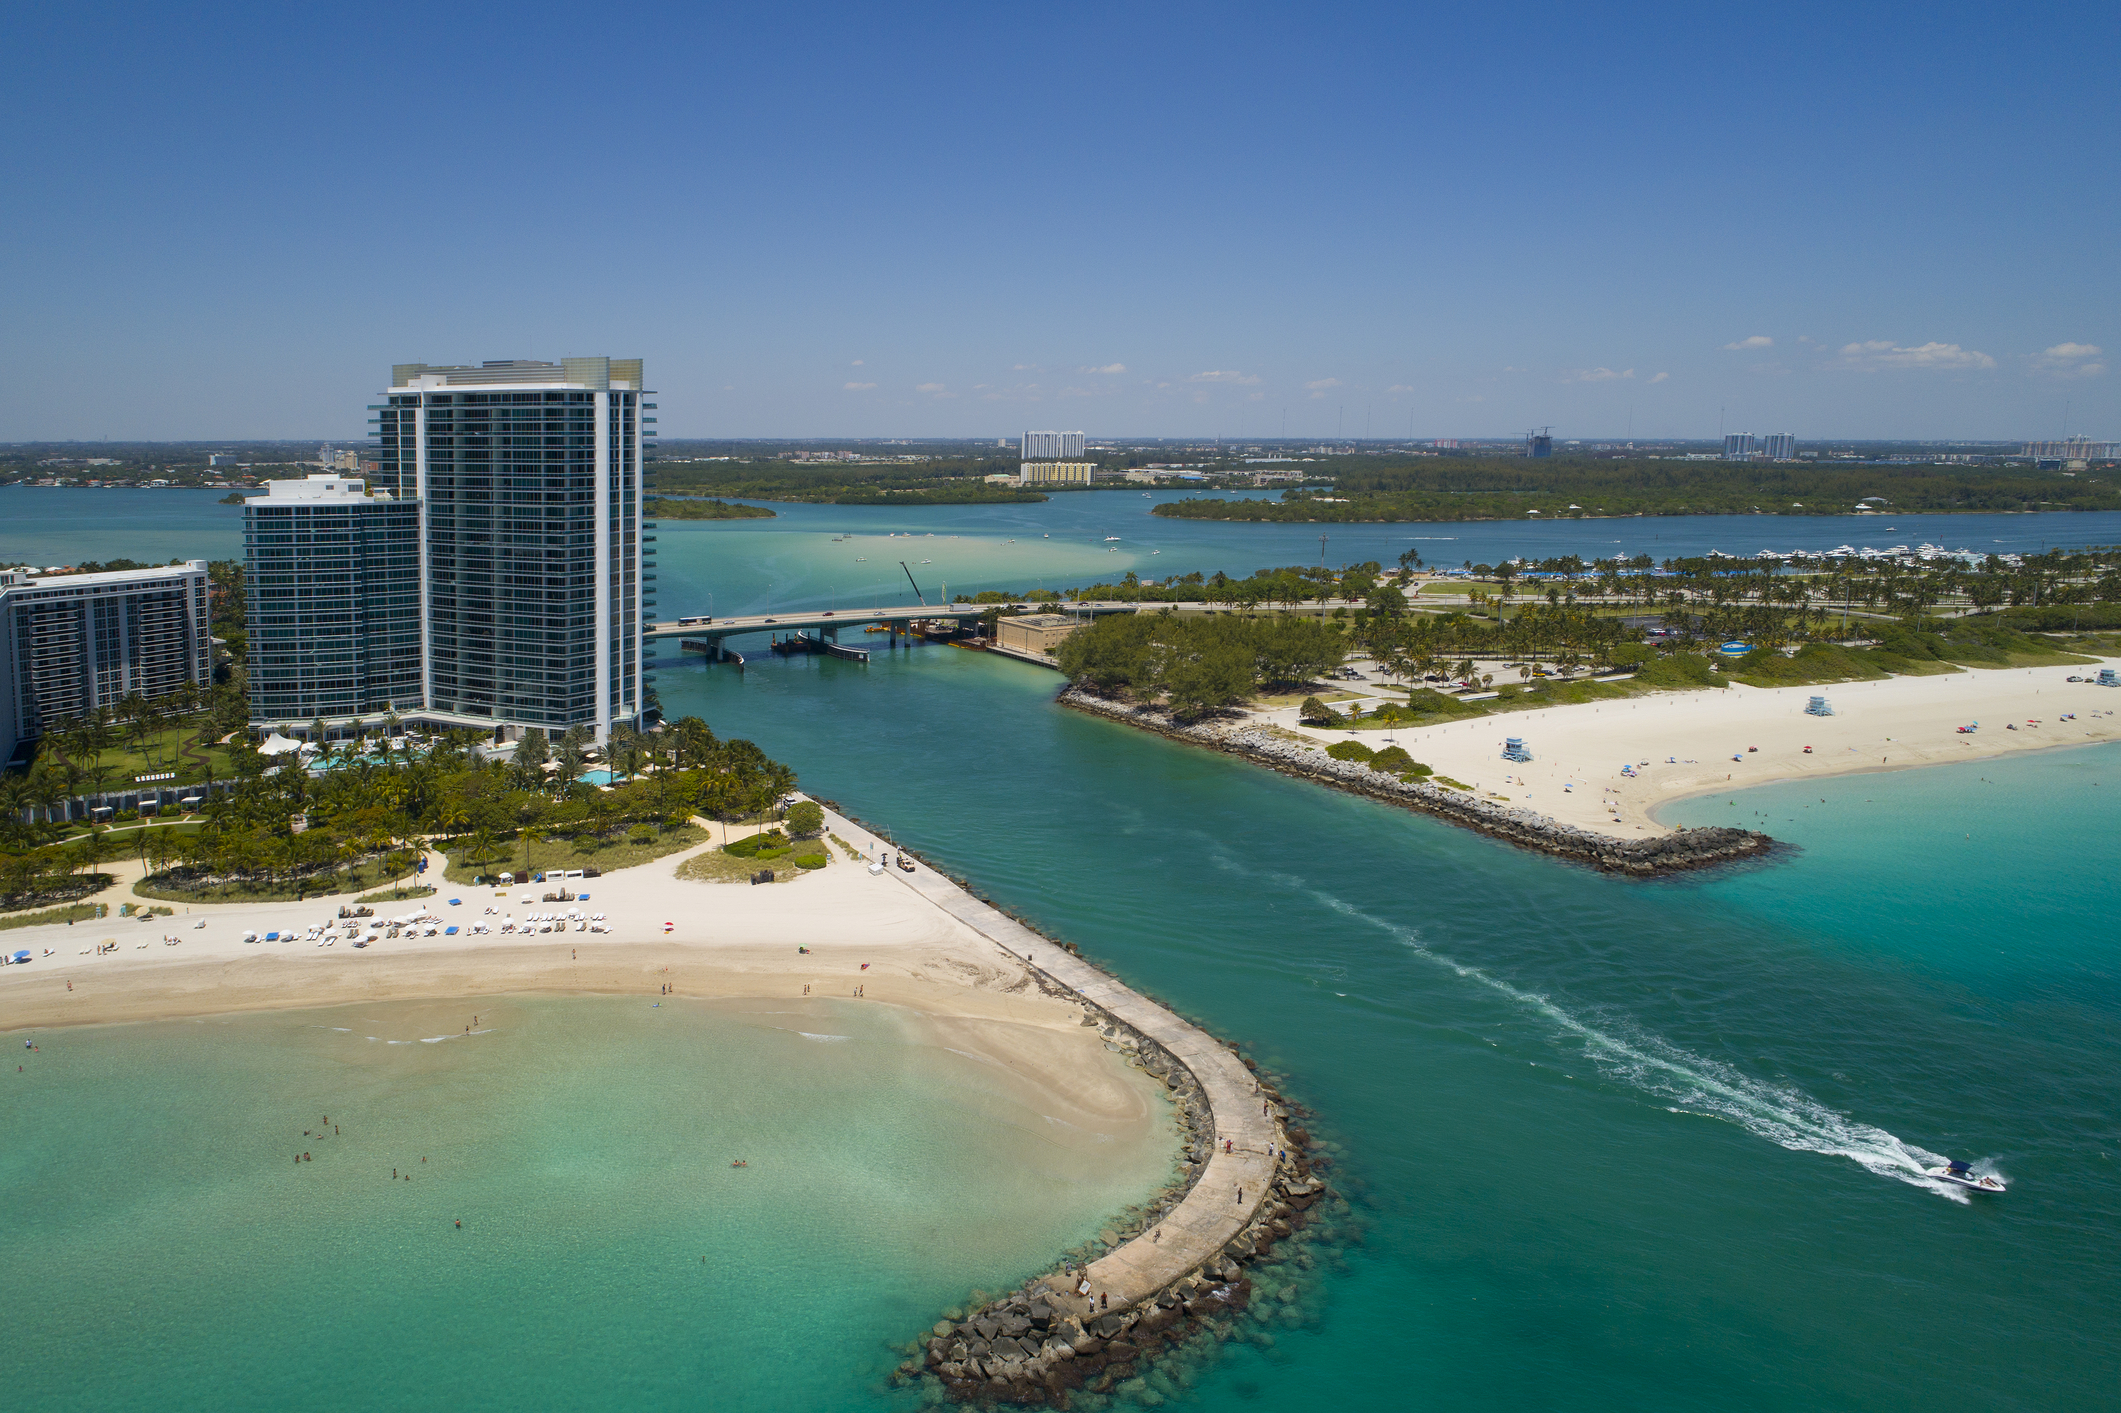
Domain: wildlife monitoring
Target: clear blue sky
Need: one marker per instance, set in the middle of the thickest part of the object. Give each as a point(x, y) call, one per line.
point(811, 220)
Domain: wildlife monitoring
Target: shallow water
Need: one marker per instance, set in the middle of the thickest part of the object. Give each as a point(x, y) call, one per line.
point(163, 1250)
point(792, 561)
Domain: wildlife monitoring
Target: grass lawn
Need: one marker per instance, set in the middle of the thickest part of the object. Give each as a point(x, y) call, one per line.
point(607, 855)
point(397, 895)
point(176, 748)
point(1664, 675)
point(346, 880)
point(125, 838)
point(72, 912)
point(714, 866)
point(1288, 699)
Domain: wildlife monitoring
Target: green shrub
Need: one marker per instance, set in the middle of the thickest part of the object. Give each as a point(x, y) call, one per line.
point(1633, 654)
point(1349, 750)
point(1392, 759)
point(810, 860)
point(756, 845)
point(806, 819)
point(1679, 670)
point(1316, 713)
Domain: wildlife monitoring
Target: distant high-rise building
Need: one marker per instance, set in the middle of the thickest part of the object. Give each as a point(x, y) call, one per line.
point(2074, 449)
point(1738, 446)
point(1052, 446)
point(331, 601)
point(536, 580)
point(1779, 446)
point(1538, 444)
point(70, 643)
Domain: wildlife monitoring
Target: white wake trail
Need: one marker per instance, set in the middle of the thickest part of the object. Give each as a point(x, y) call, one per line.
point(1691, 1083)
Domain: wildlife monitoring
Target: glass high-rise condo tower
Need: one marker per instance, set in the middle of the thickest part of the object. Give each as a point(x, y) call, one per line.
point(535, 577)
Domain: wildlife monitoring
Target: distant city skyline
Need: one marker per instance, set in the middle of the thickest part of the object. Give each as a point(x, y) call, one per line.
point(1482, 222)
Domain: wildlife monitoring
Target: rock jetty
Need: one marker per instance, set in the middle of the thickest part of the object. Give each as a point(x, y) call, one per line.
point(1670, 853)
point(1162, 1274)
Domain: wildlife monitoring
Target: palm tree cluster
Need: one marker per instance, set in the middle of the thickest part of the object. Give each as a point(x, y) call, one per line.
point(1198, 664)
point(375, 807)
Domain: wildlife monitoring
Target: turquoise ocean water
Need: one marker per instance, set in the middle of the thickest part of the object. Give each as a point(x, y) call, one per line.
point(162, 1250)
point(1614, 1145)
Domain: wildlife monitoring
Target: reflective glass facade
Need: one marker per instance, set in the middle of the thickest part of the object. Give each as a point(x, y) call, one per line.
point(332, 604)
point(536, 584)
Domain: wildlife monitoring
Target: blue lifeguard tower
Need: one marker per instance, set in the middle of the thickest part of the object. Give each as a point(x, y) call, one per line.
point(1513, 749)
point(1818, 706)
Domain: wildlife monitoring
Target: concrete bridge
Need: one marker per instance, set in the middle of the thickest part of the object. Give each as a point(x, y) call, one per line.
point(829, 621)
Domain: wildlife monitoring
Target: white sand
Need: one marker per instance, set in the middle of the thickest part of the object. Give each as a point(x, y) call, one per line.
point(707, 939)
point(1689, 738)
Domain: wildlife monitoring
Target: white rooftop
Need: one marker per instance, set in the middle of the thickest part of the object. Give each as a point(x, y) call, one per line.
point(319, 486)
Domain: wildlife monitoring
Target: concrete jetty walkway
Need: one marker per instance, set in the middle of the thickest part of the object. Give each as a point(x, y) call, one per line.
point(1233, 1186)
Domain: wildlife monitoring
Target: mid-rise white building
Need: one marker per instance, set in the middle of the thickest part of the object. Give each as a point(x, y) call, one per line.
point(1054, 473)
point(1779, 446)
point(74, 642)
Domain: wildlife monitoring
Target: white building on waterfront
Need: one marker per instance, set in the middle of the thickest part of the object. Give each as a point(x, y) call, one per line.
point(70, 643)
point(536, 577)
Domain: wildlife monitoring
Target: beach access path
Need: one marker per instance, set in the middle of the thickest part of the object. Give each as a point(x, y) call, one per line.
point(1686, 744)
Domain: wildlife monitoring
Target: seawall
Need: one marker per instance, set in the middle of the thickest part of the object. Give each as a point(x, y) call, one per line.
point(1246, 1184)
point(1670, 853)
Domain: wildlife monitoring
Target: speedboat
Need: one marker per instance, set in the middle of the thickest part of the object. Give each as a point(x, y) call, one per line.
point(1957, 1172)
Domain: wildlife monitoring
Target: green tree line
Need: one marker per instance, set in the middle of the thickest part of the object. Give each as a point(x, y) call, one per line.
point(1509, 488)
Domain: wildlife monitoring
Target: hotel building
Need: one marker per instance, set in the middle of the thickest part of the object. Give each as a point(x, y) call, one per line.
point(331, 601)
point(70, 643)
point(530, 575)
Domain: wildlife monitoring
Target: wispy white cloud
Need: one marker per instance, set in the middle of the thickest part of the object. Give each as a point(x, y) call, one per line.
point(1107, 368)
point(1877, 355)
point(1660, 377)
point(2070, 360)
point(1224, 375)
point(1595, 375)
point(1402, 388)
point(931, 388)
point(1319, 387)
point(855, 364)
point(1756, 341)
point(858, 387)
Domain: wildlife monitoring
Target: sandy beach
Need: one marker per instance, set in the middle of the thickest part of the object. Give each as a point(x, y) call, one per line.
point(1684, 744)
point(869, 935)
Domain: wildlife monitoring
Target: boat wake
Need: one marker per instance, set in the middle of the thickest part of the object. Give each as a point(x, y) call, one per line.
point(1688, 1083)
